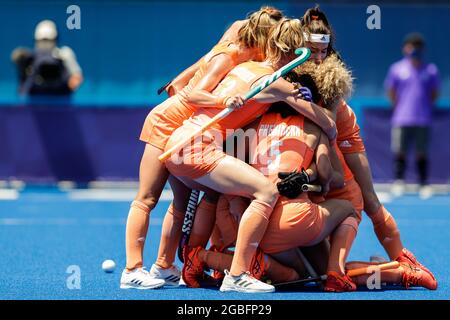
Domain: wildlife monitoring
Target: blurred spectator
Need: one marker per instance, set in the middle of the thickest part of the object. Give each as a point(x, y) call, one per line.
point(412, 86)
point(47, 69)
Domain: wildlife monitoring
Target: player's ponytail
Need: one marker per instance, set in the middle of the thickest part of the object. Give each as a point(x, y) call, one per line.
point(284, 38)
point(316, 16)
point(254, 32)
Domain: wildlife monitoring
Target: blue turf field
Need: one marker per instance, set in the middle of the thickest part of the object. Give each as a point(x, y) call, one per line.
point(45, 230)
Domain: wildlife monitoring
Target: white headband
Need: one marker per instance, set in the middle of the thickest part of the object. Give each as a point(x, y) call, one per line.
point(318, 38)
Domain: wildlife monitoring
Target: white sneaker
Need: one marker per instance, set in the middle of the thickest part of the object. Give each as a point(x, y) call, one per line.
point(398, 188)
point(425, 192)
point(244, 283)
point(170, 276)
point(139, 279)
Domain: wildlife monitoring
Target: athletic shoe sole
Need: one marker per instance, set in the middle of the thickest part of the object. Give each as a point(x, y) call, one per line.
point(245, 290)
point(131, 286)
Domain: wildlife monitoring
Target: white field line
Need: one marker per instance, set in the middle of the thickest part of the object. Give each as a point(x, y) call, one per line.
point(110, 195)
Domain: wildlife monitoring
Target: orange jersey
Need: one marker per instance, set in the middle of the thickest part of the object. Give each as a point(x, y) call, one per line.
point(162, 121)
point(225, 47)
point(348, 175)
point(281, 146)
point(349, 138)
point(237, 82)
point(204, 154)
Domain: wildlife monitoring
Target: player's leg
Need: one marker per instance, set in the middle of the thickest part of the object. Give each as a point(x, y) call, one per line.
point(262, 265)
point(406, 274)
point(393, 276)
point(383, 222)
point(223, 234)
point(228, 208)
point(152, 178)
point(204, 220)
point(232, 176)
point(340, 220)
point(164, 267)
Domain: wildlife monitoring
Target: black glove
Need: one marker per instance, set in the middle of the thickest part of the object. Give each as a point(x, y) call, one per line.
point(291, 184)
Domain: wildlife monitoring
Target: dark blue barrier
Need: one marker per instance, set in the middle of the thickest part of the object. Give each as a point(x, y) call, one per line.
point(377, 138)
point(48, 144)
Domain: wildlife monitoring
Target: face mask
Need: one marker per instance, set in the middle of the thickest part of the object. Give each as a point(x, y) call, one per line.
point(416, 54)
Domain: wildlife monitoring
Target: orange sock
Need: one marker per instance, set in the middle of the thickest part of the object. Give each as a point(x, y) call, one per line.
point(136, 232)
point(393, 276)
point(225, 223)
point(251, 230)
point(170, 237)
point(341, 242)
point(216, 238)
point(387, 232)
point(278, 272)
point(215, 260)
point(205, 216)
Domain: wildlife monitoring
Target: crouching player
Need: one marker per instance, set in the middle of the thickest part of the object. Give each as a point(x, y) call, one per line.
point(288, 144)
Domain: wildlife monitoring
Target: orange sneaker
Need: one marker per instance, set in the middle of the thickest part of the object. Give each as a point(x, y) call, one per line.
point(415, 276)
point(193, 268)
point(338, 283)
point(406, 256)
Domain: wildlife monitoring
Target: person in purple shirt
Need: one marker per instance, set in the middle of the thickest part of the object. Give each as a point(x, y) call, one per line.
point(412, 86)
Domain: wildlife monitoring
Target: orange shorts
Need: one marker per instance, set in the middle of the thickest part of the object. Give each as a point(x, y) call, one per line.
point(163, 120)
point(197, 158)
point(350, 192)
point(293, 223)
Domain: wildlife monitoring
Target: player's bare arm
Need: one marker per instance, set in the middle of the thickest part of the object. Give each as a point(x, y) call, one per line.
point(183, 78)
point(201, 95)
point(283, 90)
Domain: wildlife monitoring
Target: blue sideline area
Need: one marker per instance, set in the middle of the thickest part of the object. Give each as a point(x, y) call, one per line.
point(44, 231)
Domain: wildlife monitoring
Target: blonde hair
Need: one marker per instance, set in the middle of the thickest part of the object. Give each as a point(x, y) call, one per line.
point(254, 32)
point(284, 38)
point(334, 81)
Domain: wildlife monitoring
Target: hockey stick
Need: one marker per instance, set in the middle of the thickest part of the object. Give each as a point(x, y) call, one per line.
point(350, 273)
point(311, 188)
point(303, 55)
point(164, 87)
point(188, 222)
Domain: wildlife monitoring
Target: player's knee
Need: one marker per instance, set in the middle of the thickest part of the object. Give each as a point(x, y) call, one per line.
point(267, 193)
point(352, 221)
point(149, 200)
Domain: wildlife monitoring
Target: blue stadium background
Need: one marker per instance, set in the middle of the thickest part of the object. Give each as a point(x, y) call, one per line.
point(129, 49)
